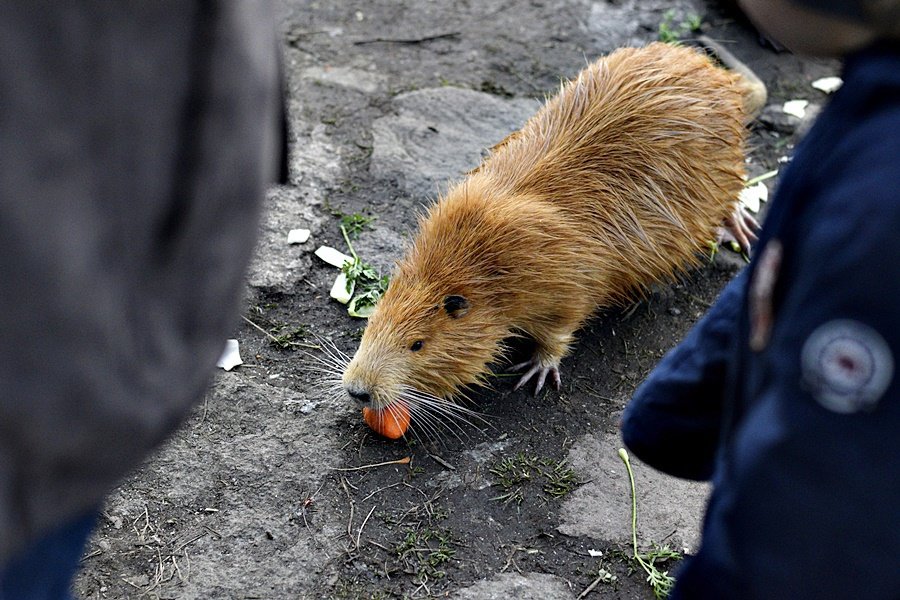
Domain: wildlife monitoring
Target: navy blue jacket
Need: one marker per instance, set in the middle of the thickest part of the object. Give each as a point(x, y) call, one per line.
point(787, 393)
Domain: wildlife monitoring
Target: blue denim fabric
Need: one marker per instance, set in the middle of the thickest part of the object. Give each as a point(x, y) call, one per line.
point(45, 569)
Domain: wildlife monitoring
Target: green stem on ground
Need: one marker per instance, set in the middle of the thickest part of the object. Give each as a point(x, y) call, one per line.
point(349, 245)
point(624, 456)
point(763, 177)
point(660, 582)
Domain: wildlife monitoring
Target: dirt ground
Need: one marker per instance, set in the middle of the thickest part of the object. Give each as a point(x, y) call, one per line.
point(268, 491)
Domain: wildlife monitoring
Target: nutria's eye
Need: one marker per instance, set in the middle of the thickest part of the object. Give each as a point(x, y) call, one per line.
point(417, 345)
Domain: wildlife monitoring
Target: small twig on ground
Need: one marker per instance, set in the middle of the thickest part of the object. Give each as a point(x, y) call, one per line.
point(134, 585)
point(366, 520)
point(350, 523)
point(421, 587)
point(277, 341)
point(510, 561)
point(590, 588)
point(419, 40)
point(97, 552)
point(146, 516)
point(344, 484)
point(178, 569)
point(401, 461)
point(387, 487)
point(205, 408)
point(161, 570)
point(591, 391)
point(196, 537)
point(442, 462)
point(700, 301)
point(414, 488)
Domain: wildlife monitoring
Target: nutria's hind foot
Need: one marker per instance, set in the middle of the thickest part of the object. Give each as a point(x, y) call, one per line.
point(537, 367)
point(740, 227)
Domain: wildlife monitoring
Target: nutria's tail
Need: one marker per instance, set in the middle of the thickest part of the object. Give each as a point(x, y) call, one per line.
point(752, 87)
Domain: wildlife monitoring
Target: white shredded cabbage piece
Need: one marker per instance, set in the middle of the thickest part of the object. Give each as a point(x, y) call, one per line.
point(752, 196)
point(339, 290)
point(333, 257)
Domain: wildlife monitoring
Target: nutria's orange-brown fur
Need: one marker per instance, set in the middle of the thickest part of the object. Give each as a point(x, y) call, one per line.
point(618, 182)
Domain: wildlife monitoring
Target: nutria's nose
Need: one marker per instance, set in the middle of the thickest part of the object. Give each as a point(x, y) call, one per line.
point(359, 394)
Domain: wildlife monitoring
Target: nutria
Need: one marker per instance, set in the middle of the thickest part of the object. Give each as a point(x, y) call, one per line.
point(618, 182)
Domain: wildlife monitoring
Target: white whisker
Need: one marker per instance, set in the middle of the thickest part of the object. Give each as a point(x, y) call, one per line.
point(444, 406)
point(327, 361)
point(331, 349)
point(432, 425)
point(435, 414)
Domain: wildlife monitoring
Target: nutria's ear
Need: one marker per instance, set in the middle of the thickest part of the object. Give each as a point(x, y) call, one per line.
point(456, 306)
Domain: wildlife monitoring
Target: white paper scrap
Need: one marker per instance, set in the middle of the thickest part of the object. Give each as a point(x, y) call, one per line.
point(595, 553)
point(298, 236)
point(339, 289)
point(333, 257)
point(828, 85)
point(796, 108)
point(750, 197)
point(231, 357)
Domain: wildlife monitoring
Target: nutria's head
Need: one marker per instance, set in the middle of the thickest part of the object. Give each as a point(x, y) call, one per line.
point(423, 344)
point(441, 321)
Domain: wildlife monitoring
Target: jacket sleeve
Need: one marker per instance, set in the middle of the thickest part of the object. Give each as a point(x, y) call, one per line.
point(672, 422)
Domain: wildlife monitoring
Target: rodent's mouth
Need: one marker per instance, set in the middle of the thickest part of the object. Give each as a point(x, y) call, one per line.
point(359, 394)
point(371, 399)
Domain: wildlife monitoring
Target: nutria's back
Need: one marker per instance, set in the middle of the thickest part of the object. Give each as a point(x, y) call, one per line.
point(645, 149)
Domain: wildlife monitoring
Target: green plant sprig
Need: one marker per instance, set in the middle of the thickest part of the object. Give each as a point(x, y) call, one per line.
point(660, 581)
point(363, 281)
point(355, 223)
point(671, 33)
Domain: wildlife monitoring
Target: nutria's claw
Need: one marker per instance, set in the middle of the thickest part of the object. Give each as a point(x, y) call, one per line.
point(740, 227)
point(541, 370)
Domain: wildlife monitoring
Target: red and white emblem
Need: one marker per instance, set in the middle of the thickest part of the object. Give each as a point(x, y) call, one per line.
point(847, 366)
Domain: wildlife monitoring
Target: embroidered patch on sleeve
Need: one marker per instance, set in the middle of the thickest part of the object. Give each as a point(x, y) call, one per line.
point(847, 366)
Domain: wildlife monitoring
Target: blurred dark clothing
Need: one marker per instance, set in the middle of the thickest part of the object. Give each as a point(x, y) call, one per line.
point(136, 140)
point(796, 418)
point(44, 569)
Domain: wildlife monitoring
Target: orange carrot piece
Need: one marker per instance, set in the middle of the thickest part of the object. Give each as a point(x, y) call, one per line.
point(391, 421)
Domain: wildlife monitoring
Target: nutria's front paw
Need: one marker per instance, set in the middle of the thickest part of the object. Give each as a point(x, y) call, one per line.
point(538, 367)
point(740, 227)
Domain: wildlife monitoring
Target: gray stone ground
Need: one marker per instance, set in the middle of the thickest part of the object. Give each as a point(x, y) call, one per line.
point(246, 500)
